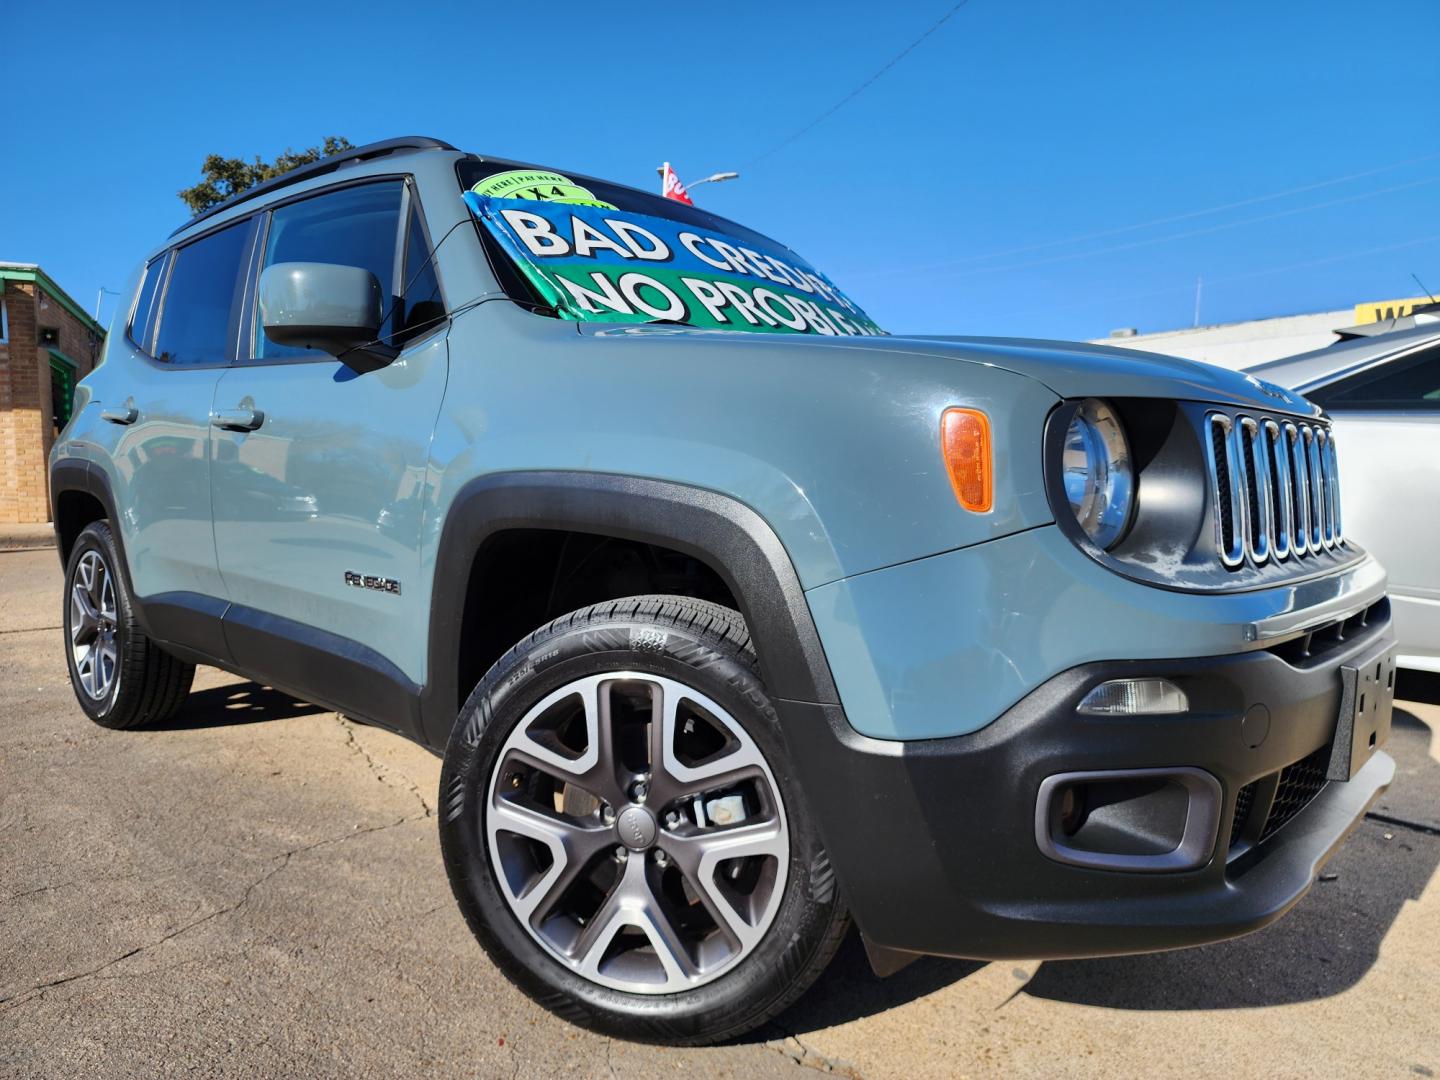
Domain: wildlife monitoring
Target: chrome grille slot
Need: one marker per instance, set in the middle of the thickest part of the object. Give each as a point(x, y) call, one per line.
point(1329, 469)
point(1282, 501)
point(1274, 486)
point(1327, 489)
point(1317, 489)
point(1332, 462)
point(1255, 473)
point(1225, 490)
point(1301, 473)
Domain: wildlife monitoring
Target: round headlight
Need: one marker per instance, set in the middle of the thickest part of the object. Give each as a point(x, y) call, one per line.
point(1096, 469)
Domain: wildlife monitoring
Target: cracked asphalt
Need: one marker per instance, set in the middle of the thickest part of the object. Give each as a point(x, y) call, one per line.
point(256, 890)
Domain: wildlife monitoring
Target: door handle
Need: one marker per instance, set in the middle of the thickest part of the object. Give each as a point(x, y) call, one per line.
point(126, 414)
point(237, 419)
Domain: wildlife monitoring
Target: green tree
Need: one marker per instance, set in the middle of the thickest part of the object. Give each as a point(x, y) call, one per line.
point(228, 176)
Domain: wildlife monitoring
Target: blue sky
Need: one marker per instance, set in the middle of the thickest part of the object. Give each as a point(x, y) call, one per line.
point(1004, 177)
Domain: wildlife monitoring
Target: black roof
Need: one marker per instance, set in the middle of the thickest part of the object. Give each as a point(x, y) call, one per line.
point(320, 168)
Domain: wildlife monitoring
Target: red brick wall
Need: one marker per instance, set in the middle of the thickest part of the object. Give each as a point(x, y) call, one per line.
point(25, 408)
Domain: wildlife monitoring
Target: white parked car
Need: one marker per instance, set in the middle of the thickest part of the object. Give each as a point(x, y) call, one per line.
point(1383, 394)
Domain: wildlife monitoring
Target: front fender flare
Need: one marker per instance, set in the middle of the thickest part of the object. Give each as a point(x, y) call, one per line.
point(727, 535)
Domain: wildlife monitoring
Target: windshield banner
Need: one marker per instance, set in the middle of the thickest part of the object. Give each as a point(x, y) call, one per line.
point(599, 264)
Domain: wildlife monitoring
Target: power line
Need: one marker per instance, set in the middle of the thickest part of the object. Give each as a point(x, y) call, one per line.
point(1327, 259)
point(1172, 290)
point(1170, 219)
point(859, 89)
point(912, 271)
point(1151, 241)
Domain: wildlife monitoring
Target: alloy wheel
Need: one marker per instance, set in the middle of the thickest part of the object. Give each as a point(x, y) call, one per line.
point(637, 832)
point(93, 631)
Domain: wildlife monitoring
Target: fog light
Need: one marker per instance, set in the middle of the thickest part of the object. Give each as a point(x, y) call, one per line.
point(1134, 697)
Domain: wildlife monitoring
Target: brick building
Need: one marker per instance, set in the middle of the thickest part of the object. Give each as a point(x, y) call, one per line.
point(47, 343)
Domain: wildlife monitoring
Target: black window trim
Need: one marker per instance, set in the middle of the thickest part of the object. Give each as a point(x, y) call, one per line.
point(397, 257)
point(413, 205)
point(249, 221)
point(162, 264)
point(244, 343)
point(409, 197)
point(243, 339)
point(510, 281)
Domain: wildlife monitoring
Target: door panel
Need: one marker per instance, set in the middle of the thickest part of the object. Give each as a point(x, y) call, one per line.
point(159, 475)
point(318, 472)
point(329, 485)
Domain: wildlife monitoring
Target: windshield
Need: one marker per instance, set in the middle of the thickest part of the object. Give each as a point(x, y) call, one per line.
point(597, 252)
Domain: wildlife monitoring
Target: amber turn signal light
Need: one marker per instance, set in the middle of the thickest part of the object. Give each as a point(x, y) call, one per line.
point(965, 442)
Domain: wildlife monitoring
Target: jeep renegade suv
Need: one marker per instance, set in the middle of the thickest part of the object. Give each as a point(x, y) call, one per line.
point(733, 617)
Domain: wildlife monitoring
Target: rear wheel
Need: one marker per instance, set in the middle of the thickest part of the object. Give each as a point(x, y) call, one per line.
point(121, 678)
point(623, 830)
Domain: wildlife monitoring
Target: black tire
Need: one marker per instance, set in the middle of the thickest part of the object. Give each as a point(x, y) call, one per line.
point(706, 647)
point(147, 684)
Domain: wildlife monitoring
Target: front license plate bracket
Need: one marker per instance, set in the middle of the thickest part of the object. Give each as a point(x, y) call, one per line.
point(1367, 701)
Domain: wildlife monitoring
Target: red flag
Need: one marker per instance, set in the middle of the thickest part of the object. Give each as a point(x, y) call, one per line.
point(672, 188)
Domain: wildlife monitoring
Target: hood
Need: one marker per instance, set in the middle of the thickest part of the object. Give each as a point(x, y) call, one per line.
point(1070, 369)
point(1075, 369)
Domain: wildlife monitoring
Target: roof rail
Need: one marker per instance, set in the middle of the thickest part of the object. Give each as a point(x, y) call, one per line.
point(320, 168)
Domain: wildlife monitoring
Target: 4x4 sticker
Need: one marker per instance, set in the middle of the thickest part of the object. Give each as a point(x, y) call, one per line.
point(594, 264)
point(538, 186)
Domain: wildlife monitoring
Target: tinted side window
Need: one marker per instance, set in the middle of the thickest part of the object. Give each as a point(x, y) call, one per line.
point(200, 303)
point(1409, 384)
point(423, 307)
point(142, 323)
point(355, 226)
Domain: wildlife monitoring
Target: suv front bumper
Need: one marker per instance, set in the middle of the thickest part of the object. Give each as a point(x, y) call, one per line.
point(935, 841)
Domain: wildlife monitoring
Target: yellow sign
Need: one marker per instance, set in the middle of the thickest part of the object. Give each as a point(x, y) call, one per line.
point(1385, 310)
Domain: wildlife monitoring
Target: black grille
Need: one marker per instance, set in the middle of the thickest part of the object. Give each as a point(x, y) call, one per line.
point(1243, 802)
point(1274, 488)
point(1299, 784)
point(1295, 788)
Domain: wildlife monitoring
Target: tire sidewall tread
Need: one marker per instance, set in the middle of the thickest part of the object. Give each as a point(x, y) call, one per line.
point(708, 647)
point(151, 684)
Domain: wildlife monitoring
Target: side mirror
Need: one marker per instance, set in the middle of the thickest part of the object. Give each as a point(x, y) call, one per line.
point(337, 309)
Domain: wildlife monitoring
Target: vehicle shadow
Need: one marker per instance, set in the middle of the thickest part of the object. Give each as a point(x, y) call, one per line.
point(236, 703)
point(1325, 944)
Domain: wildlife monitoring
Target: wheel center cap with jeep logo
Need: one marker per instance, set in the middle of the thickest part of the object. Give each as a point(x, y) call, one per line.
point(637, 828)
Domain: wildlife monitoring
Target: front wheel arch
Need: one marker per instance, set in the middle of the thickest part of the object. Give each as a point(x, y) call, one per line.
point(722, 532)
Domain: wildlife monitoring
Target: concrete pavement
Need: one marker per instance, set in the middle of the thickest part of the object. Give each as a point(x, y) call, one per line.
point(256, 890)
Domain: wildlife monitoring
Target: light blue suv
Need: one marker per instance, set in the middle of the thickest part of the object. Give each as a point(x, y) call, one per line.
point(734, 617)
